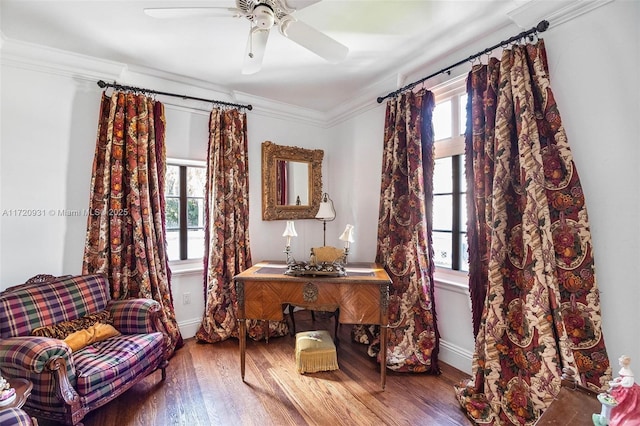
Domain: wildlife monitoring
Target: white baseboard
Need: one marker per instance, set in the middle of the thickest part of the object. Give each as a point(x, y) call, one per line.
point(455, 356)
point(189, 328)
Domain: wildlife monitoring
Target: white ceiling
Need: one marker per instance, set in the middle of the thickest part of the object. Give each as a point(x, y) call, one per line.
point(385, 38)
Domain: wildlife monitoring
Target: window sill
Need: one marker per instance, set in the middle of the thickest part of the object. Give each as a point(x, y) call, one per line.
point(452, 280)
point(186, 267)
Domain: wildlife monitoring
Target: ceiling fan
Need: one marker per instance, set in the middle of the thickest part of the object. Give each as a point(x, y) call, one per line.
point(263, 15)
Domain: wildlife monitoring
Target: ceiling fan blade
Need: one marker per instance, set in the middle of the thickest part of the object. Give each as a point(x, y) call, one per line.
point(301, 4)
point(256, 46)
point(189, 12)
point(312, 39)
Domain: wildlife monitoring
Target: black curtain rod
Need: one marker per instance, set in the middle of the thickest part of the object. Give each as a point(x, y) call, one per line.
point(541, 27)
point(115, 85)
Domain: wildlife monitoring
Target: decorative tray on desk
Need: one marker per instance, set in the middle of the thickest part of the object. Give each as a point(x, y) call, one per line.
point(320, 269)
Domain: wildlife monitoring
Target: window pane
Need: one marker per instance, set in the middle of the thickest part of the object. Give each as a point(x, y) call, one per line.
point(464, 254)
point(442, 249)
point(172, 180)
point(442, 176)
point(172, 212)
point(462, 177)
point(463, 211)
point(463, 114)
point(196, 180)
point(442, 120)
point(442, 212)
point(195, 244)
point(173, 245)
point(195, 212)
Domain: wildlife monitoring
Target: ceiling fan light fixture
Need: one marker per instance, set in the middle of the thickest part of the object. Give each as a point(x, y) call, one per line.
point(263, 16)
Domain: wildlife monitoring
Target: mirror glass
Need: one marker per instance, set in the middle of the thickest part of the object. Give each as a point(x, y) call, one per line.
point(291, 182)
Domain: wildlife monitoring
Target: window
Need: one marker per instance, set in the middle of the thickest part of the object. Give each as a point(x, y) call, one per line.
point(184, 196)
point(449, 184)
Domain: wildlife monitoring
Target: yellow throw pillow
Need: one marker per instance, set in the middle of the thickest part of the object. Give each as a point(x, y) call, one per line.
point(95, 333)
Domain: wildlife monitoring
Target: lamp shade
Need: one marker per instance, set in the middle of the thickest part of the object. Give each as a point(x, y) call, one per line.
point(347, 234)
point(290, 230)
point(326, 211)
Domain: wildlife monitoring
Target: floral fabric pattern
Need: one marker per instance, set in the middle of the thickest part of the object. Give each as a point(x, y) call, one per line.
point(227, 248)
point(126, 237)
point(541, 312)
point(404, 230)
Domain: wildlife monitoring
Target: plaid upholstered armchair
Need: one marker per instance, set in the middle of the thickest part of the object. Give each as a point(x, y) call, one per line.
point(79, 348)
point(14, 417)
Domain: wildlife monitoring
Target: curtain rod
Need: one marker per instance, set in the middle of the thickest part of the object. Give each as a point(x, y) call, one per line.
point(115, 85)
point(541, 27)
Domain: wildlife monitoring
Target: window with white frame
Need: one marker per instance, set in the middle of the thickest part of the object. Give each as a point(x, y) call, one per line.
point(449, 184)
point(184, 197)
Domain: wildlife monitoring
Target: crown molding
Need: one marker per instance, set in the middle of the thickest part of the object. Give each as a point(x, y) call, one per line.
point(280, 110)
point(557, 13)
point(35, 57)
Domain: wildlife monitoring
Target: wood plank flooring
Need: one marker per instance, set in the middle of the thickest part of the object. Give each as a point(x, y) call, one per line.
point(203, 387)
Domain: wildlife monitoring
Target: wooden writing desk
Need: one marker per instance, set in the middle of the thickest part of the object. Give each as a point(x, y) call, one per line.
point(574, 405)
point(362, 296)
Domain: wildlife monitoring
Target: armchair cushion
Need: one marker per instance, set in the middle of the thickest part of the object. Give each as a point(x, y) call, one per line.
point(105, 366)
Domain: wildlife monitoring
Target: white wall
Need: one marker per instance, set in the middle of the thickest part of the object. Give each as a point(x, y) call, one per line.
point(48, 124)
point(593, 62)
point(48, 130)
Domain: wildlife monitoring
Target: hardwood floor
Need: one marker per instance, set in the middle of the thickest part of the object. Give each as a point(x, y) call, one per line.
point(203, 387)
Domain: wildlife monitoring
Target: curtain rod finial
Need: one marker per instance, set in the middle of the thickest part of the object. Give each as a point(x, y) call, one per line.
point(102, 84)
point(542, 26)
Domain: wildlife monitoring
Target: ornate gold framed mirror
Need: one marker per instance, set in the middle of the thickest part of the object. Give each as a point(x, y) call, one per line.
point(291, 182)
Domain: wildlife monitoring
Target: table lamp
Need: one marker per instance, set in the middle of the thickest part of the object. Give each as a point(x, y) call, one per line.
point(289, 231)
point(348, 238)
point(326, 213)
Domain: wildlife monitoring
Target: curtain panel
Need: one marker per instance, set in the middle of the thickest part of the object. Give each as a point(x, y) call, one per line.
point(126, 237)
point(541, 311)
point(227, 248)
point(404, 244)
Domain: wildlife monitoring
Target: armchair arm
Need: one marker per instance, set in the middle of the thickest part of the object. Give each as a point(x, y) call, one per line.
point(31, 354)
point(135, 316)
point(43, 360)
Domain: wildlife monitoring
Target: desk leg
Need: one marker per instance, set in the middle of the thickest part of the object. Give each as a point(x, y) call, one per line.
point(383, 356)
point(243, 343)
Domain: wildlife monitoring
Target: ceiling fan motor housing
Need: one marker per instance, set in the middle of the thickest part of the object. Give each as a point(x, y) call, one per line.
point(257, 8)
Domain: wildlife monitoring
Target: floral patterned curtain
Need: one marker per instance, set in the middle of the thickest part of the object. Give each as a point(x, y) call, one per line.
point(227, 250)
point(404, 236)
point(541, 312)
point(126, 237)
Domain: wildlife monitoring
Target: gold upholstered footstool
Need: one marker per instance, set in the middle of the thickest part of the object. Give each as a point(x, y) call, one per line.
point(315, 352)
